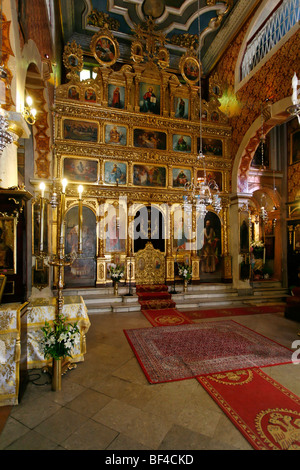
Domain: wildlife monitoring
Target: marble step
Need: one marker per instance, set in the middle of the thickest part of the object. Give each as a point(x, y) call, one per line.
point(113, 307)
point(227, 300)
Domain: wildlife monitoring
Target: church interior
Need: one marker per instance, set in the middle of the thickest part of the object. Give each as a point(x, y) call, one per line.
point(149, 225)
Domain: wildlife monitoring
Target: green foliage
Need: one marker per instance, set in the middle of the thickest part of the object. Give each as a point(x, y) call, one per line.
point(59, 339)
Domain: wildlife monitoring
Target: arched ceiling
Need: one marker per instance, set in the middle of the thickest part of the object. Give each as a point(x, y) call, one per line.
point(176, 19)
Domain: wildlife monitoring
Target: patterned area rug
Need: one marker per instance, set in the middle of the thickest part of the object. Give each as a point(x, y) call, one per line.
point(230, 312)
point(166, 317)
point(168, 354)
point(265, 412)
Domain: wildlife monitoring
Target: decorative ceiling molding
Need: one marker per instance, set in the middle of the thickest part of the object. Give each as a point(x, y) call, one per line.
point(232, 24)
point(172, 18)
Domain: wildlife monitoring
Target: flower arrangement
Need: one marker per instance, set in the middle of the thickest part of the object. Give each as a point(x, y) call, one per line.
point(59, 340)
point(257, 245)
point(185, 271)
point(116, 272)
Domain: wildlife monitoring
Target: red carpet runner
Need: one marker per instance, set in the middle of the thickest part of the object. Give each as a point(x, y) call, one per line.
point(232, 311)
point(154, 297)
point(265, 412)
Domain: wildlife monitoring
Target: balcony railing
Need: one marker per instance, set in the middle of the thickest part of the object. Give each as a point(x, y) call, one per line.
point(273, 29)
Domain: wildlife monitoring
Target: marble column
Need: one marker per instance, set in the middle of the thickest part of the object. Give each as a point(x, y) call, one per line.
point(238, 202)
point(9, 158)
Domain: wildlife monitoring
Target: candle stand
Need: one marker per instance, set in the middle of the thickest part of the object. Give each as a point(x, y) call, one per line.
point(59, 260)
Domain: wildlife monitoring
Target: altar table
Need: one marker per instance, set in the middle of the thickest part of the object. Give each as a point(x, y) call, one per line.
point(41, 310)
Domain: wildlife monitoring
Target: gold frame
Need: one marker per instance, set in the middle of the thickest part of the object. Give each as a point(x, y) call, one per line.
point(154, 131)
point(213, 170)
point(40, 286)
point(105, 34)
point(4, 218)
point(139, 163)
point(74, 119)
point(116, 162)
point(292, 162)
point(117, 84)
point(183, 61)
point(183, 134)
point(73, 50)
point(150, 82)
point(2, 285)
point(184, 96)
point(76, 157)
point(137, 58)
point(180, 168)
point(164, 57)
point(296, 229)
point(113, 124)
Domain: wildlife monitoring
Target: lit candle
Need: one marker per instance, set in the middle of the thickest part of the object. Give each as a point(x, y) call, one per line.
point(41, 244)
point(29, 101)
point(295, 91)
point(62, 209)
point(80, 190)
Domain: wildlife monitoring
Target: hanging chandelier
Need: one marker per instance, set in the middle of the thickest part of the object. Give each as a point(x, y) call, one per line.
point(204, 192)
point(5, 137)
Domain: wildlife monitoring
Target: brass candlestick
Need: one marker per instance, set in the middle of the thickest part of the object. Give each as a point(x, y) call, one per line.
point(59, 261)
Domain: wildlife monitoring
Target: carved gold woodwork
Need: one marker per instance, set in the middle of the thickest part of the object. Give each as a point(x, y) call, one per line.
point(226, 267)
point(149, 266)
point(101, 271)
point(73, 57)
point(74, 103)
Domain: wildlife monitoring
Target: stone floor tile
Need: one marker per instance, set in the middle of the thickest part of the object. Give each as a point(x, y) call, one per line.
point(90, 436)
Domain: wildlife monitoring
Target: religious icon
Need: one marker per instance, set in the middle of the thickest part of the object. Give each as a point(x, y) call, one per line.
point(181, 108)
point(182, 231)
point(149, 98)
point(73, 57)
point(115, 173)
point(209, 238)
point(210, 146)
point(137, 54)
point(73, 93)
point(116, 96)
point(115, 233)
point(181, 177)
point(149, 175)
point(90, 95)
point(182, 143)
point(76, 169)
point(214, 117)
point(80, 130)
point(83, 270)
point(210, 176)
point(105, 48)
point(8, 245)
point(115, 134)
point(163, 57)
point(189, 67)
point(150, 139)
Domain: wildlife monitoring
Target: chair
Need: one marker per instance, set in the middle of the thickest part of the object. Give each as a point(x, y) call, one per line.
point(292, 309)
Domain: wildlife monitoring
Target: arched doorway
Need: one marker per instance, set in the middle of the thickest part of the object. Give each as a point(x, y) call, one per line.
point(82, 272)
point(149, 226)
